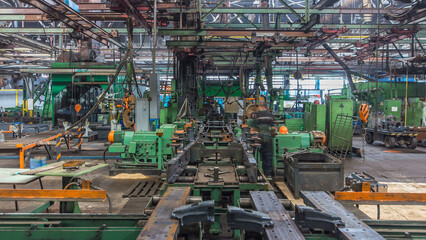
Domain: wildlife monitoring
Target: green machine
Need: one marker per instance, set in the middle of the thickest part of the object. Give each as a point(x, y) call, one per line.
point(392, 107)
point(293, 142)
point(143, 149)
point(314, 118)
point(74, 83)
point(415, 113)
point(336, 109)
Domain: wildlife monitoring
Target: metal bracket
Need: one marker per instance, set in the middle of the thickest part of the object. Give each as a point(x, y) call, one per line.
point(239, 218)
point(193, 213)
point(307, 217)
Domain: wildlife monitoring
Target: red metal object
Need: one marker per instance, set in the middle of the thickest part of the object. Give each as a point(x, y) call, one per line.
point(128, 6)
point(392, 35)
point(327, 35)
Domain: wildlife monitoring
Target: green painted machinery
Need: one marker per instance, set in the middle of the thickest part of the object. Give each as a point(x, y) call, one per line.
point(392, 107)
point(147, 149)
point(312, 141)
point(415, 113)
point(337, 107)
point(314, 118)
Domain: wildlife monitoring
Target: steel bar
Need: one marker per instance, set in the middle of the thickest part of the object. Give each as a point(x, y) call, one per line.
point(240, 33)
point(52, 195)
point(279, 10)
point(344, 66)
point(47, 8)
point(160, 225)
point(123, 31)
point(136, 14)
point(292, 10)
point(212, 10)
point(284, 227)
point(381, 198)
point(354, 228)
point(84, 19)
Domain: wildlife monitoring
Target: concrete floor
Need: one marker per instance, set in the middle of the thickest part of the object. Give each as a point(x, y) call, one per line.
point(402, 169)
point(400, 165)
point(389, 165)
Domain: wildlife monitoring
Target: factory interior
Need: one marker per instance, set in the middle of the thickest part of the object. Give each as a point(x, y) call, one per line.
point(212, 119)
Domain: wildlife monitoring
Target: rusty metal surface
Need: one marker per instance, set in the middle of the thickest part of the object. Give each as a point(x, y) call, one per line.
point(177, 164)
point(229, 175)
point(142, 189)
point(381, 198)
point(160, 225)
point(39, 138)
point(53, 195)
point(354, 227)
point(284, 227)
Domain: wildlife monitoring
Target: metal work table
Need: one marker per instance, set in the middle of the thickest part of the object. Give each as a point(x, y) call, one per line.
point(60, 172)
point(21, 145)
point(12, 176)
point(56, 169)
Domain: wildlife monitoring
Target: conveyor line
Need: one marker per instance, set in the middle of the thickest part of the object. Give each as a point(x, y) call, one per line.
point(160, 225)
point(284, 227)
point(354, 228)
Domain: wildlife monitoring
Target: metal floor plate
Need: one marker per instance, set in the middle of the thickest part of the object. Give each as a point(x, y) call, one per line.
point(284, 227)
point(354, 228)
point(160, 225)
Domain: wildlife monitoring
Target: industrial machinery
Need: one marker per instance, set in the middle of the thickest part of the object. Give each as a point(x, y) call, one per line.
point(391, 132)
point(309, 171)
point(144, 150)
point(218, 167)
point(313, 141)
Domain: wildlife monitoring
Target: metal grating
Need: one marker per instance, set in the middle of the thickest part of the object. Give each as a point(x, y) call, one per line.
point(143, 189)
point(341, 136)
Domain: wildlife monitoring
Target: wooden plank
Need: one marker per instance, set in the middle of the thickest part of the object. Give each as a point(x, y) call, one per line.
point(286, 191)
point(146, 189)
point(284, 227)
point(160, 225)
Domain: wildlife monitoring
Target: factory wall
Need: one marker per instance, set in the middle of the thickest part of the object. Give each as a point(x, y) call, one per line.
point(8, 97)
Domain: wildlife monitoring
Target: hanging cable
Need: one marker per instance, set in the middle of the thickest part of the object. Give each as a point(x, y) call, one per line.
point(102, 96)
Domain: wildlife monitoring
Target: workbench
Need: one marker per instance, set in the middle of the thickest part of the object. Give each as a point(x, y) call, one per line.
point(68, 176)
point(47, 139)
point(12, 176)
point(25, 144)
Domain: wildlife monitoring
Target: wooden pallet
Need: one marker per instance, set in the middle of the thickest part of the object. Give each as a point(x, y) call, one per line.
point(142, 189)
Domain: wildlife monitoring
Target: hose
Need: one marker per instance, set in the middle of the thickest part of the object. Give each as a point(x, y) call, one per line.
point(105, 154)
point(94, 187)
